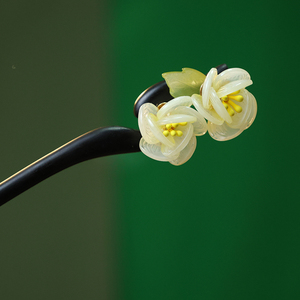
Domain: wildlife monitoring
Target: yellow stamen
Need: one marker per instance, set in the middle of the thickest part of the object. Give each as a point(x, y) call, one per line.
point(230, 111)
point(234, 93)
point(236, 107)
point(225, 98)
point(238, 98)
point(170, 129)
point(225, 104)
point(165, 132)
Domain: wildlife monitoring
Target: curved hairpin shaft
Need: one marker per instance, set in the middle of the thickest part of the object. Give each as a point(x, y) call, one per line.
point(96, 143)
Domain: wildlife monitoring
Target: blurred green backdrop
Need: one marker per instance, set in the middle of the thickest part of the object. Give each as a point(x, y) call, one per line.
point(223, 226)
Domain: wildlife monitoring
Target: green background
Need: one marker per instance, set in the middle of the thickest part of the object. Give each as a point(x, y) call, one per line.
point(225, 225)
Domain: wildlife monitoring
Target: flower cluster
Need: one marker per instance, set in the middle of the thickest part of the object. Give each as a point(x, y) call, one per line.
point(169, 131)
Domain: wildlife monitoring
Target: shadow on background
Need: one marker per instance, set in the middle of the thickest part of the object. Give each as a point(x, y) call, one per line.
point(58, 240)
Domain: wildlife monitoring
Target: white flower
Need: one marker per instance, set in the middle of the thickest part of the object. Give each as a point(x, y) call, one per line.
point(168, 133)
point(225, 103)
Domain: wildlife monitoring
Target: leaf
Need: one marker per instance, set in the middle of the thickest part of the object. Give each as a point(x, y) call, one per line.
point(185, 83)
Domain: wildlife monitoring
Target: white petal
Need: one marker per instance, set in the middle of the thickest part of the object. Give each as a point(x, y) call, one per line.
point(186, 153)
point(230, 75)
point(240, 120)
point(218, 106)
point(176, 118)
point(206, 86)
point(157, 131)
point(152, 150)
point(253, 111)
point(208, 114)
point(169, 106)
point(200, 126)
point(144, 126)
point(180, 143)
point(233, 87)
point(223, 132)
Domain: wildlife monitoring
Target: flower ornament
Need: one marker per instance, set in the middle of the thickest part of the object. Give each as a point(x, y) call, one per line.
point(220, 98)
point(225, 103)
point(169, 131)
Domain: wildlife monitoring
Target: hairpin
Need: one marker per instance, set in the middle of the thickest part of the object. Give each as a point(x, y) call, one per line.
point(171, 113)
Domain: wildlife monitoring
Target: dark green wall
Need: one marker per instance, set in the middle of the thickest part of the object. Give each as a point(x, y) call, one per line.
point(225, 225)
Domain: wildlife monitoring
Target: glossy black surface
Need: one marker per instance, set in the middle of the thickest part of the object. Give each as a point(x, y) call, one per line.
point(155, 94)
point(97, 143)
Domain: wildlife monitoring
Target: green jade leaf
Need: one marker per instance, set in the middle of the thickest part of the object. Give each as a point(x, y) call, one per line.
point(185, 83)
